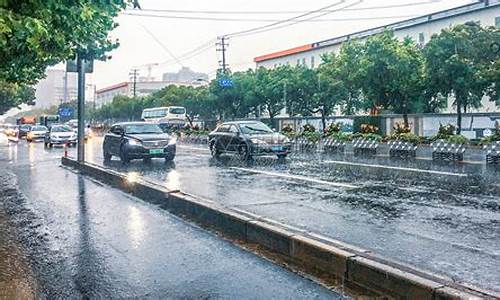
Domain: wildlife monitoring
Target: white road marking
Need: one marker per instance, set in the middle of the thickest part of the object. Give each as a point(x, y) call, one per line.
point(395, 168)
point(296, 177)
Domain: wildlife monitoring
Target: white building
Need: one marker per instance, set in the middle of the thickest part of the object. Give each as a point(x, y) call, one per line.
point(58, 87)
point(487, 12)
point(142, 88)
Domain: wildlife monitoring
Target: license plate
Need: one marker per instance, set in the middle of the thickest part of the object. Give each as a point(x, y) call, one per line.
point(277, 148)
point(156, 151)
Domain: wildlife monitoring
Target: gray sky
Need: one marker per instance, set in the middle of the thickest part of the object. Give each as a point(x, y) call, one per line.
point(146, 40)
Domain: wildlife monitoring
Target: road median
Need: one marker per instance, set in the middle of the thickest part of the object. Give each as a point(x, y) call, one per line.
point(310, 252)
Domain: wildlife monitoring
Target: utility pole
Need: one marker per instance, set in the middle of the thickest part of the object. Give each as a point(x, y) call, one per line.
point(80, 65)
point(222, 47)
point(65, 92)
point(134, 72)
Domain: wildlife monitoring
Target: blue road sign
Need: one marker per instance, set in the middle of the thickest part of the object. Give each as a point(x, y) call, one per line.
point(225, 82)
point(65, 112)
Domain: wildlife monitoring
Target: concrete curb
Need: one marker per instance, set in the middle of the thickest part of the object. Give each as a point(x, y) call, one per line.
point(313, 252)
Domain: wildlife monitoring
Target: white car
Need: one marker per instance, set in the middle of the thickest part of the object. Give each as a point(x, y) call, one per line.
point(37, 132)
point(60, 135)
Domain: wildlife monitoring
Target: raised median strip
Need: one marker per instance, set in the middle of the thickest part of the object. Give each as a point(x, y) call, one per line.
point(310, 252)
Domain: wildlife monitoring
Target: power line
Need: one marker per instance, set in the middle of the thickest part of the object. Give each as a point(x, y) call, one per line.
point(264, 20)
point(162, 45)
point(227, 12)
point(292, 21)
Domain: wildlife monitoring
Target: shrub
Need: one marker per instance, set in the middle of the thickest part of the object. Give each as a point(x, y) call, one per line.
point(400, 128)
point(313, 137)
point(406, 137)
point(368, 128)
point(287, 129)
point(495, 137)
point(458, 139)
point(370, 120)
point(308, 128)
point(341, 136)
point(445, 131)
point(333, 128)
point(367, 136)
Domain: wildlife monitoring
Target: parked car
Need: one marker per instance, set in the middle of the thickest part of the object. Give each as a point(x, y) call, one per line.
point(247, 138)
point(24, 129)
point(60, 135)
point(37, 132)
point(138, 140)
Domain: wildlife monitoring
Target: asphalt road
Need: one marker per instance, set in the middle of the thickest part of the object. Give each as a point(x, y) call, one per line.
point(70, 237)
point(440, 218)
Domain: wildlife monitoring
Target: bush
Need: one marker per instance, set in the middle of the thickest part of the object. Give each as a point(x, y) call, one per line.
point(313, 137)
point(308, 128)
point(458, 139)
point(406, 137)
point(341, 136)
point(400, 128)
point(333, 128)
point(368, 128)
point(370, 120)
point(445, 131)
point(495, 137)
point(287, 129)
point(367, 136)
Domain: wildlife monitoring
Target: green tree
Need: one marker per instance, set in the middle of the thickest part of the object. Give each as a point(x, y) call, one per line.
point(459, 65)
point(13, 95)
point(345, 68)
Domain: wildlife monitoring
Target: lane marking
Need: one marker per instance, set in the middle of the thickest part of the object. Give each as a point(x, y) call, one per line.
point(296, 177)
point(396, 168)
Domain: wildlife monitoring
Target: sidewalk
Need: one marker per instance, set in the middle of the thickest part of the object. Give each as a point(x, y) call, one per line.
point(83, 239)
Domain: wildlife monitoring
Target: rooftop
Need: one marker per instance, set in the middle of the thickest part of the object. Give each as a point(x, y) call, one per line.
point(456, 11)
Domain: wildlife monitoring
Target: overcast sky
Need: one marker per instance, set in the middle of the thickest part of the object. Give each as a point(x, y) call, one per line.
point(146, 39)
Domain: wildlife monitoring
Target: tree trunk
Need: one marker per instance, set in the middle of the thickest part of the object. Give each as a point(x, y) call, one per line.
point(405, 120)
point(459, 118)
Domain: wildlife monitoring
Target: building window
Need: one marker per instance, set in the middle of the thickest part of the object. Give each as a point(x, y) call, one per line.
point(312, 62)
point(421, 38)
point(497, 21)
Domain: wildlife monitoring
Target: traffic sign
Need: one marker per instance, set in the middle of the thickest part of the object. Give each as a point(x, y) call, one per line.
point(225, 82)
point(65, 112)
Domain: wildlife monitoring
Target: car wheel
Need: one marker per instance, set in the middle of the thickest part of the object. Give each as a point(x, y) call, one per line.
point(169, 158)
point(244, 152)
point(29, 141)
point(124, 157)
point(281, 156)
point(214, 150)
point(50, 145)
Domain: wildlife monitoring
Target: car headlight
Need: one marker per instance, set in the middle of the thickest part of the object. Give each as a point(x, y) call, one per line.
point(134, 143)
point(53, 137)
point(257, 141)
point(172, 141)
point(30, 135)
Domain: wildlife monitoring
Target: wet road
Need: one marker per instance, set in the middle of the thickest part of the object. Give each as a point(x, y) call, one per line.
point(435, 217)
point(83, 239)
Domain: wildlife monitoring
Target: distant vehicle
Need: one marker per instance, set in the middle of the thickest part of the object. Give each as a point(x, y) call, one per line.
point(11, 130)
point(60, 135)
point(24, 129)
point(37, 132)
point(48, 120)
point(26, 120)
point(166, 117)
point(74, 124)
point(138, 140)
point(247, 138)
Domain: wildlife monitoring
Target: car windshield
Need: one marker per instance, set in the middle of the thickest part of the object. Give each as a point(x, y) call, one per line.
point(61, 129)
point(38, 128)
point(25, 127)
point(177, 110)
point(255, 128)
point(142, 128)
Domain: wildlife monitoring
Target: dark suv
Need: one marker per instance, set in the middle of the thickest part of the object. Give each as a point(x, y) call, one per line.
point(247, 138)
point(138, 140)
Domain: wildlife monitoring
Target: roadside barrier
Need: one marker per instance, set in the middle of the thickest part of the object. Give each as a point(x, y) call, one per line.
point(442, 150)
point(493, 153)
point(315, 254)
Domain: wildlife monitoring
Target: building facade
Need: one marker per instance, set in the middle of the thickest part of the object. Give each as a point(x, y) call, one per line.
point(59, 87)
point(486, 12)
point(185, 75)
point(142, 88)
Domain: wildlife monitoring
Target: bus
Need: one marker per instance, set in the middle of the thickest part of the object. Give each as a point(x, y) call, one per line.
point(166, 117)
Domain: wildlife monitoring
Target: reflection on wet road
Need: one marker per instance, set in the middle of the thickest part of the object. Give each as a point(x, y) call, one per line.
point(85, 240)
point(445, 220)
